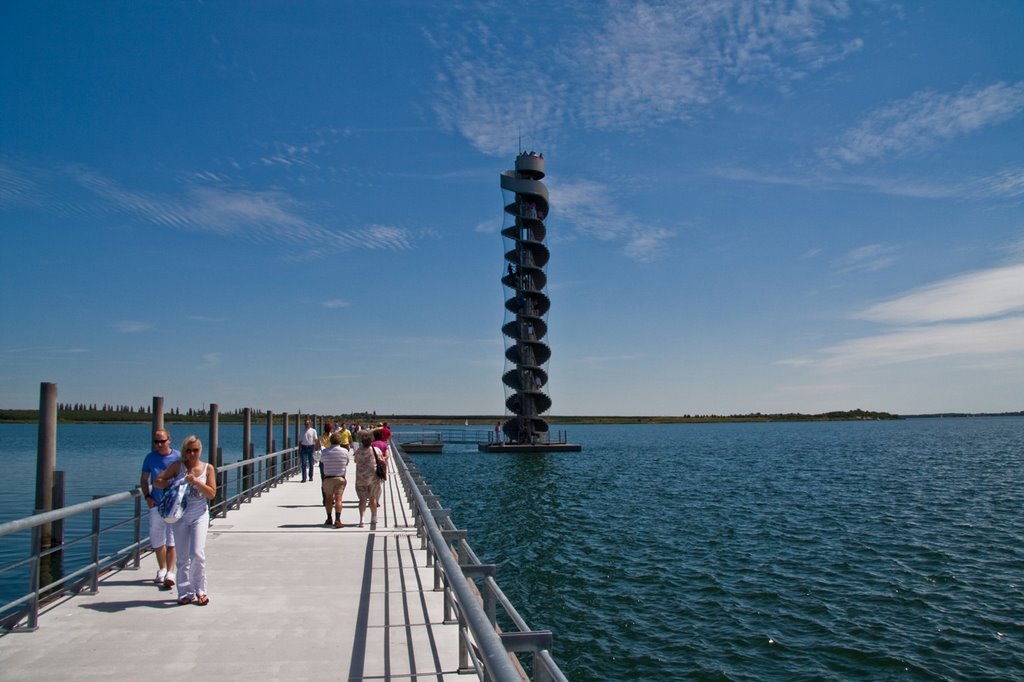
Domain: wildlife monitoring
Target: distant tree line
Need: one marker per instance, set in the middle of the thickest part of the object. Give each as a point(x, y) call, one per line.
point(92, 412)
point(83, 412)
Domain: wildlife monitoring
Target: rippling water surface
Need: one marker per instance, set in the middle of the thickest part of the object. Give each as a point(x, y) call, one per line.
point(824, 551)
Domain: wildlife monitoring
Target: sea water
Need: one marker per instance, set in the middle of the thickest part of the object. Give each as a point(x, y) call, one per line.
point(767, 551)
point(782, 551)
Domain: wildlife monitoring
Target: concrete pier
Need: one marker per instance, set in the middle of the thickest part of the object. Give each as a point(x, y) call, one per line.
point(289, 600)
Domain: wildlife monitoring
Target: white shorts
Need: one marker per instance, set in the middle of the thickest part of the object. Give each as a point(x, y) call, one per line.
point(160, 534)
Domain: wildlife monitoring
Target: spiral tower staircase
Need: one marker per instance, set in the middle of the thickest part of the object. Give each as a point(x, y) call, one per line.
point(526, 305)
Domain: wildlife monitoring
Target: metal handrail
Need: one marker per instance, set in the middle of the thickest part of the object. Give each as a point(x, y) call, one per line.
point(249, 477)
point(452, 435)
point(87, 575)
point(491, 657)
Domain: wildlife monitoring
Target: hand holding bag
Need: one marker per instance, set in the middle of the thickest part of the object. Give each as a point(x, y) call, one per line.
point(173, 502)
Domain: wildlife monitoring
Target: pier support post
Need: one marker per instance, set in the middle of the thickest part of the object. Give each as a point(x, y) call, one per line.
point(295, 455)
point(46, 455)
point(158, 413)
point(213, 448)
point(247, 454)
point(268, 468)
point(58, 503)
point(285, 463)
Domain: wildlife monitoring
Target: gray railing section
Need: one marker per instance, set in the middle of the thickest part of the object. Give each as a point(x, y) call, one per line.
point(456, 569)
point(554, 437)
point(236, 483)
point(448, 436)
point(241, 481)
point(83, 580)
point(471, 436)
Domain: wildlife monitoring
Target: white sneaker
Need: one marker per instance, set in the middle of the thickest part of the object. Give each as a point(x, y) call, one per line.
point(169, 580)
point(160, 575)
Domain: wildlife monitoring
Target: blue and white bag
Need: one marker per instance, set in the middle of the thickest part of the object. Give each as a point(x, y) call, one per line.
point(173, 502)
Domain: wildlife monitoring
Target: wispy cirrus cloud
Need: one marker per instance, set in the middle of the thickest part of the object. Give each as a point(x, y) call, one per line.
point(211, 360)
point(621, 65)
point(926, 119)
point(590, 208)
point(133, 327)
point(204, 204)
point(1007, 183)
point(867, 258)
point(988, 337)
point(975, 314)
point(983, 294)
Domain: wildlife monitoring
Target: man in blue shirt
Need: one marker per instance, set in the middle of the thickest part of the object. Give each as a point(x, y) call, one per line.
point(160, 536)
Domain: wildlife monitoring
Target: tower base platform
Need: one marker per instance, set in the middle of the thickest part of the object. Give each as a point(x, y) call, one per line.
point(529, 447)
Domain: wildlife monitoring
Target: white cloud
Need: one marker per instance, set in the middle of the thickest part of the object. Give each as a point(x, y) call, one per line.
point(132, 327)
point(15, 186)
point(1005, 184)
point(868, 258)
point(592, 210)
point(973, 314)
point(974, 295)
point(385, 237)
point(335, 303)
point(488, 227)
point(926, 119)
point(621, 65)
point(936, 341)
point(258, 215)
point(646, 245)
point(211, 360)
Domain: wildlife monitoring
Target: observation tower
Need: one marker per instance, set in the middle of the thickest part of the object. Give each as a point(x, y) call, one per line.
point(526, 309)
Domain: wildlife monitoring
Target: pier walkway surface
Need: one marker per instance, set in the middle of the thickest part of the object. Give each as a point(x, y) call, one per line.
point(289, 599)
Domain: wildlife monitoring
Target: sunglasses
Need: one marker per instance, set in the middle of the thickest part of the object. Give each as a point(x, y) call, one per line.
point(160, 442)
point(191, 449)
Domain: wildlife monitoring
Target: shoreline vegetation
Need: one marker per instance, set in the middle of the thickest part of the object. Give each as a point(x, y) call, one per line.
point(70, 414)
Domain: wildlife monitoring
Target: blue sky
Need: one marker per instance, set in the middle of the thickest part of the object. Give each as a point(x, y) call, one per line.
point(780, 206)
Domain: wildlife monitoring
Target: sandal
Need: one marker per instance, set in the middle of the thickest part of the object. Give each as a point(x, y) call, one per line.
point(202, 600)
point(186, 600)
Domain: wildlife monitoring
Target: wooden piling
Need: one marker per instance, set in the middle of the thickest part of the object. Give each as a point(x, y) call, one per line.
point(46, 455)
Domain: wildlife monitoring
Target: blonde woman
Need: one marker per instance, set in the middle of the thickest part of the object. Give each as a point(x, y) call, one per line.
point(190, 530)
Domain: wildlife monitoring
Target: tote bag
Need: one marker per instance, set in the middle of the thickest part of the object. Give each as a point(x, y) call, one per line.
point(172, 504)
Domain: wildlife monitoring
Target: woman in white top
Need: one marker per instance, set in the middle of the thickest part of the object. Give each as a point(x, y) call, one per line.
point(190, 530)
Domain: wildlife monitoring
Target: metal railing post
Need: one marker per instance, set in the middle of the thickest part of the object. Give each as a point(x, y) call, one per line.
point(33, 578)
point(137, 533)
point(94, 574)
